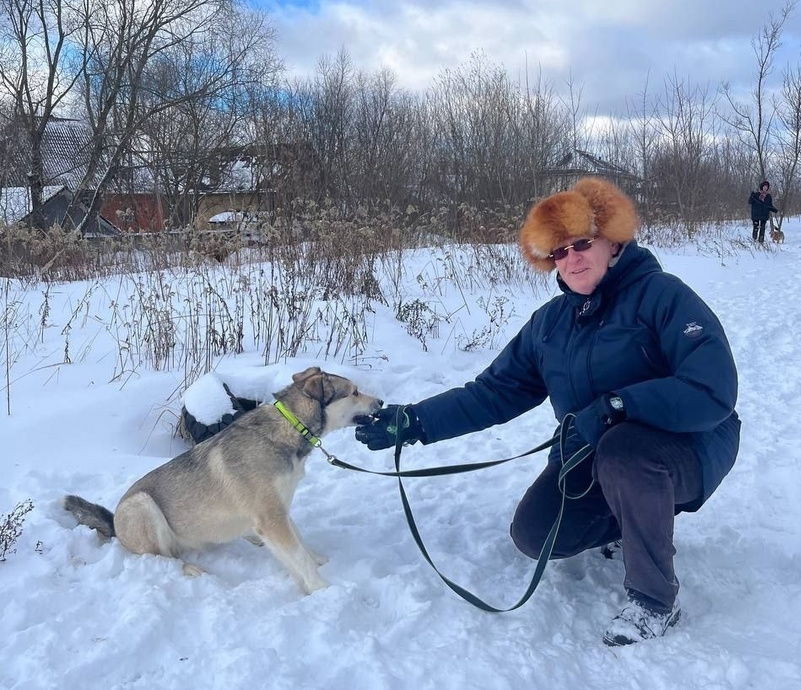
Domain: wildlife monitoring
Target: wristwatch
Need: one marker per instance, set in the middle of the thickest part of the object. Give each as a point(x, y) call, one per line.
point(617, 409)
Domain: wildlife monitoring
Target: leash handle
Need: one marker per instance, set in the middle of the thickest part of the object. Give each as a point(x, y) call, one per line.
point(545, 554)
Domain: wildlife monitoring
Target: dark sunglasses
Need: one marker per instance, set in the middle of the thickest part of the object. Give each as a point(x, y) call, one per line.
point(578, 246)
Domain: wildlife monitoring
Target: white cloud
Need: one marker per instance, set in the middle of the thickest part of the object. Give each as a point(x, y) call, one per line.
point(609, 48)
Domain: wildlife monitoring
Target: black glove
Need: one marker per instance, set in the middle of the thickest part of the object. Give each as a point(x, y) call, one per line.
point(593, 421)
point(389, 424)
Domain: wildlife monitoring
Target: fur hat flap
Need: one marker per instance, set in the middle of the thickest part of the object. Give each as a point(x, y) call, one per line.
point(593, 207)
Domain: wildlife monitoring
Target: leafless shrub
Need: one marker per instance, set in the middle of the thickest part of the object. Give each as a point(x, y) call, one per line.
point(11, 527)
point(498, 316)
point(421, 321)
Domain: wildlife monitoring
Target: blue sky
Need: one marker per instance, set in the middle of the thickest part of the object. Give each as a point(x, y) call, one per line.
point(610, 49)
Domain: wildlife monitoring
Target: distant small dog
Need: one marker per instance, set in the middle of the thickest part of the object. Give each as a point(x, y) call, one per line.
point(239, 483)
point(777, 236)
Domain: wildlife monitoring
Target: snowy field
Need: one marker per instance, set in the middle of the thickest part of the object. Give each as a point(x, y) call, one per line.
point(79, 614)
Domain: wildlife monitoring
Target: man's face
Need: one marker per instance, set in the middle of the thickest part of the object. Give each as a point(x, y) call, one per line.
point(582, 271)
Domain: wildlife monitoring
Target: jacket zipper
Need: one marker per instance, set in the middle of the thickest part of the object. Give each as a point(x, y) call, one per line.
point(576, 337)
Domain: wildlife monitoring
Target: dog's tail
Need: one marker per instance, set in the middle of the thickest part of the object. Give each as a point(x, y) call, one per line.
point(92, 515)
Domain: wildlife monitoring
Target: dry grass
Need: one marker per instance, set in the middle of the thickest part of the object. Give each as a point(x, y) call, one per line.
point(308, 285)
point(305, 285)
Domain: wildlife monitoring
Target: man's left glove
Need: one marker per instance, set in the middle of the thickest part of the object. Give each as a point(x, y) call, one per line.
point(593, 421)
point(389, 424)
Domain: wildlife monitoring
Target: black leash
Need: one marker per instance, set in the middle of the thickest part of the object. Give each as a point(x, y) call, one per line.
point(545, 554)
point(436, 471)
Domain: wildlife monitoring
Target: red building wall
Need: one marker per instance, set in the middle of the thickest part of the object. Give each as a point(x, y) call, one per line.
point(134, 212)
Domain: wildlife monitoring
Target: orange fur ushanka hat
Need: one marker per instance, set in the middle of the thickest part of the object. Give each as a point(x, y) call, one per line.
point(593, 207)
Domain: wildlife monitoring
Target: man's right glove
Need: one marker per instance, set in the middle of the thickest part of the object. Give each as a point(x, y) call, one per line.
point(389, 424)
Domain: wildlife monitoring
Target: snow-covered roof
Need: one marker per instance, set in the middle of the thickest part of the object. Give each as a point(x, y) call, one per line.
point(228, 217)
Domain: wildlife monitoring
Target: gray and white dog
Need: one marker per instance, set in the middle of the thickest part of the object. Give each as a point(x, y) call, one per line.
point(239, 483)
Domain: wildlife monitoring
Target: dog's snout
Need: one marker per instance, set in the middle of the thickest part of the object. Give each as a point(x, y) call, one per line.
point(379, 402)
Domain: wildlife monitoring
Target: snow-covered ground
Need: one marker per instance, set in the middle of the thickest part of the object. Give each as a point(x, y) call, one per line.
point(79, 614)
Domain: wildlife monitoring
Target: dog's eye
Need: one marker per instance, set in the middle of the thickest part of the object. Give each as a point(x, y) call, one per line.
point(356, 392)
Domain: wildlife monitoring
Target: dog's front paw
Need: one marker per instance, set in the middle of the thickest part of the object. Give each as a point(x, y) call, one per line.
point(313, 583)
point(192, 570)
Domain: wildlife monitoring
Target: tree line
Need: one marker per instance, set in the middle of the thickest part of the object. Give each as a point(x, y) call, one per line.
point(165, 86)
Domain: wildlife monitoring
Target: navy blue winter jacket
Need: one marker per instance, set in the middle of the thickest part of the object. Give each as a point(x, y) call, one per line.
point(643, 334)
point(761, 210)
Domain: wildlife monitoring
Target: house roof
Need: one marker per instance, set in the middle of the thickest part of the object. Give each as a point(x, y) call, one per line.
point(65, 153)
point(65, 209)
point(580, 162)
point(15, 202)
point(66, 147)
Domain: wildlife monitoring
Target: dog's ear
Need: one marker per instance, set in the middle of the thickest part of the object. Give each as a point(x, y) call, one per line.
point(319, 388)
point(311, 371)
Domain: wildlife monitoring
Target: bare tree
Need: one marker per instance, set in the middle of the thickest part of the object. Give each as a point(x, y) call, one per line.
point(643, 127)
point(484, 127)
point(684, 152)
point(8, 141)
point(788, 107)
point(324, 109)
point(199, 105)
point(576, 113)
point(733, 172)
point(34, 75)
point(125, 47)
point(753, 119)
point(385, 144)
point(544, 129)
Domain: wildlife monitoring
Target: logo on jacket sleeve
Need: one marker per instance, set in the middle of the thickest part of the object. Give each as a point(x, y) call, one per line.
point(693, 329)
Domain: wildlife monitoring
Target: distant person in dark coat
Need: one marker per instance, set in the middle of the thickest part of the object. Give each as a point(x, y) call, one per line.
point(761, 208)
point(645, 366)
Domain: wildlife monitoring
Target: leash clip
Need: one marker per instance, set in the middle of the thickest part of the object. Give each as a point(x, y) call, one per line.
point(332, 459)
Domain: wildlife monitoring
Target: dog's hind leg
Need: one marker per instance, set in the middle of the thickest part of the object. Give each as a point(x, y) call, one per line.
point(281, 538)
point(142, 527)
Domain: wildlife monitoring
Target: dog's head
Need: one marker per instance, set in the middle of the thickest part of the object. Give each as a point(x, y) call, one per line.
point(343, 403)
